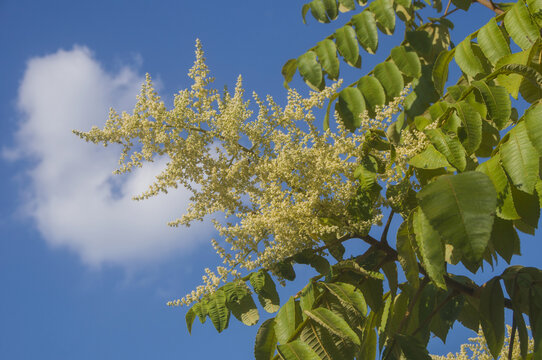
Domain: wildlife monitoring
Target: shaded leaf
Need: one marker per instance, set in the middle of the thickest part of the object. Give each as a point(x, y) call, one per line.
point(497, 101)
point(350, 107)
point(333, 323)
point(492, 315)
point(287, 320)
point(440, 70)
point(373, 92)
point(472, 125)
point(407, 61)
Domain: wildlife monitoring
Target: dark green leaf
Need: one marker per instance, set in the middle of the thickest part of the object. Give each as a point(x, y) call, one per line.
point(492, 315)
point(449, 146)
point(467, 58)
point(412, 347)
point(190, 317)
point(332, 9)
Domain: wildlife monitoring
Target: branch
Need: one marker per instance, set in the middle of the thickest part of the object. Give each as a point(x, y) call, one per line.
point(384, 237)
point(490, 5)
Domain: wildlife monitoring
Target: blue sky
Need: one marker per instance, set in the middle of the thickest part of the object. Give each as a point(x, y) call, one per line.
point(85, 272)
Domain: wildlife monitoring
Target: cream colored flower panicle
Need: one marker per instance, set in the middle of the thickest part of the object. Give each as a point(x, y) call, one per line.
point(476, 349)
point(269, 176)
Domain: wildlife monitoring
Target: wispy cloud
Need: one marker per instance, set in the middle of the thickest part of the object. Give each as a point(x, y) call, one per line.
point(73, 197)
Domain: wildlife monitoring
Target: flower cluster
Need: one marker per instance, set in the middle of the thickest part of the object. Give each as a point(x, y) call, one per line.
point(271, 173)
point(477, 349)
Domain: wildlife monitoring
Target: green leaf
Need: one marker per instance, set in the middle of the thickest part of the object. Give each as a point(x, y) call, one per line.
point(492, 42)
point(407, 61)
point(265, 288)
point(332, 9)
point(492, 315)
point(333, 323)
point(431, 248)
point(391, 79)
point(296, 350)
point(384, 15)
point(327, 55)
point(218, 311)
point(350, 107)
point(304, 11)
point(365, 25)
point(406, 255)
point(288, 71)
point(264, 347)
point(512, 81)
point(520, 158)
point(349, 297)
point(318, 10)
point(505, 202)
point(190, 317)
point(440, 70)
point(430, 158)
point(346, 5)
point(310, 70)
point(307, 298)
point(467, 58)
point(520, 26)
point(287, 320)
point(461, 208)
point(412, 347)
point(472, 125)
point(449, 146)
point(497, 100)
point(373, 92)
point(347, 44)
point(321, 341)
point(533, 124)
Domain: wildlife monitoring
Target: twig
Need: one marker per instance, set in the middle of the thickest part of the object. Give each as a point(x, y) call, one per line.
point(447, 7)
point(384, 237)
point(490, 5)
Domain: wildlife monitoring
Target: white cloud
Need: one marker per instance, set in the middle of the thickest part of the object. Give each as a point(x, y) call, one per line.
point(74, 199)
